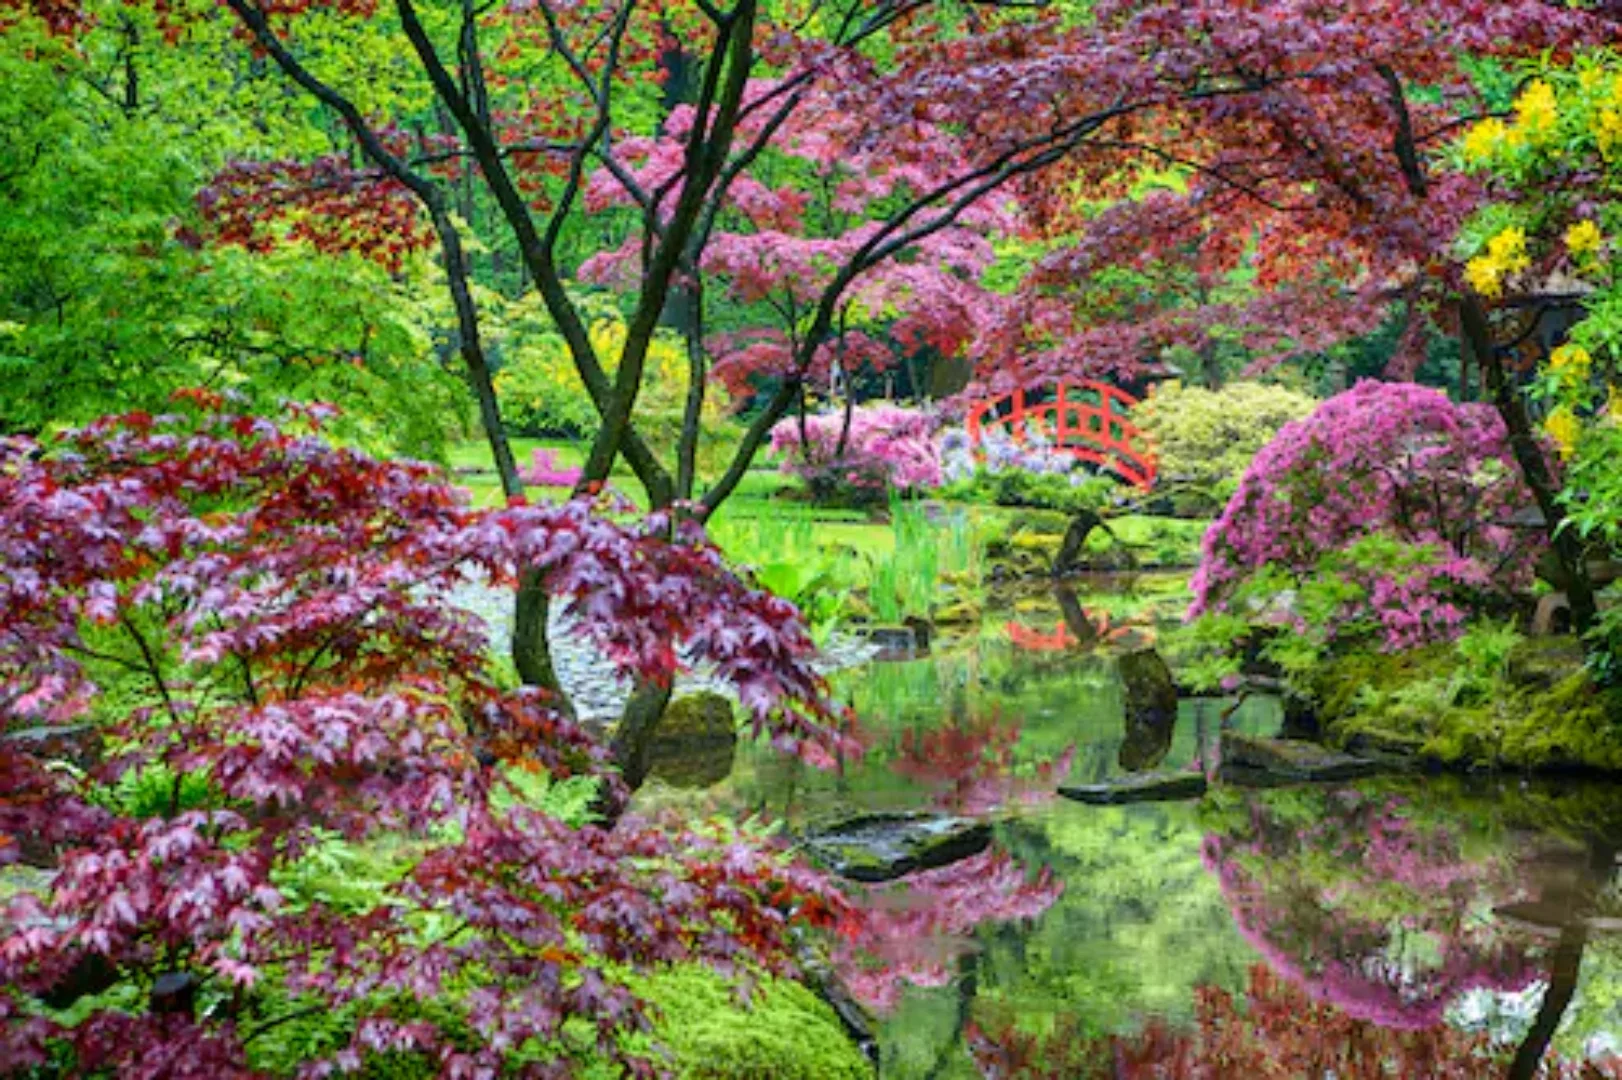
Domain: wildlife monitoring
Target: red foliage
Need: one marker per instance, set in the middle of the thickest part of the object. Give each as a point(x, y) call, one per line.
point(256, 621)
point(1285, 119)
point(327, 203)
point(970, 763)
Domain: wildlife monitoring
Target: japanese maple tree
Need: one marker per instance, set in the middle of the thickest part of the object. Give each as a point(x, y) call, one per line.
point(541, 97)
point(241, 635)
point(1313, 146)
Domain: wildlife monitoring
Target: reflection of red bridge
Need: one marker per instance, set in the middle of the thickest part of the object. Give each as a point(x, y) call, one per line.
point(1061, 637)
point(1026, 637)
point(1084, 419)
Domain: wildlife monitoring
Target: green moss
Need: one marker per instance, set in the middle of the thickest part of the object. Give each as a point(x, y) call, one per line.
point(1544, 712)
point(702, 714)
point(1569, 724)
point(783, 1032)
point(1341, 688)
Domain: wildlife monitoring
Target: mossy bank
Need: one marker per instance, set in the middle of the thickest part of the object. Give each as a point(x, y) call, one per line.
point(1530, 706)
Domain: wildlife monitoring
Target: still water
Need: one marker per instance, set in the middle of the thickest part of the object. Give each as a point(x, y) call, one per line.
point(1401, 927)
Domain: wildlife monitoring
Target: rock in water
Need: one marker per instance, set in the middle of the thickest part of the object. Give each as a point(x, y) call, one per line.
point(695, 741)
point(1143, 787)
point(1250, 757)
point(1151, 709)
point(883, 847)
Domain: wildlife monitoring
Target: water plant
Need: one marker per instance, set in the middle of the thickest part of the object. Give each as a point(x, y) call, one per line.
point(931, 547)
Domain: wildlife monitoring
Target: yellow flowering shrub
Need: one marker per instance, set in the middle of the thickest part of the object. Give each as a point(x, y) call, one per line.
point(1584, 238)
point(541, 391)
point(1563, 429)
point(1558, 157)
point(1537, 117)
point(1505, 257)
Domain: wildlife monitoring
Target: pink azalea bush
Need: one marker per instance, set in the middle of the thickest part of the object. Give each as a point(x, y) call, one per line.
point(1404, 495)
point(888, 448)
point(544, 471)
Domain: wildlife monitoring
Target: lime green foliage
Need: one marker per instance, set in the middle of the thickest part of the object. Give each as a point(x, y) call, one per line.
point(833, 570)
point(780, 1031)
point(541, 392)
point(789, 557)
point(908, 580)
point(1204, 439)
point(1022, 487)
point(1485, 700)
point(108, 304)
point(1154, 541)
point(1028, 542)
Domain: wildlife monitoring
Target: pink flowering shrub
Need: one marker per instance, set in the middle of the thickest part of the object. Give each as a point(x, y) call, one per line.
point(889, 448)
point(1402, 495)
point(544, 471)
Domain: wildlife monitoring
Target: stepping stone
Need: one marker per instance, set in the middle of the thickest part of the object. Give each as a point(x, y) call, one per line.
point(883, 847)
point(1248, 758)
point(1140, 787)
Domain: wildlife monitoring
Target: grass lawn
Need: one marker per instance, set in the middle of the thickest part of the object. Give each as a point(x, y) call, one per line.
point(758, 525)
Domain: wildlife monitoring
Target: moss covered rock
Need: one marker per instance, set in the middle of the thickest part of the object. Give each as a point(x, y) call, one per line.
point(883, 847)
point(695, 741)
point(1544, 712)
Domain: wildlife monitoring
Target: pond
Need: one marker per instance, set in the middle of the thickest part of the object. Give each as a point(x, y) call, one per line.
point(1403, 926)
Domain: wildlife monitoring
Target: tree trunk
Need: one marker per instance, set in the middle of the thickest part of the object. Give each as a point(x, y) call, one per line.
point(1565, 963)
point(531, 648)
point(1523, 442)
point(643, 711)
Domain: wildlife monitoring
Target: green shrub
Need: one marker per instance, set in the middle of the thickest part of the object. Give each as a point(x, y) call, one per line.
point(1491, 699)
point(1043, 491)
point(1204, 438)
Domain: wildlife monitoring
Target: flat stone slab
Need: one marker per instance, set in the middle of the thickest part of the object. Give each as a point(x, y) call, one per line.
point(1551, 917)
point(883, 847)
point(1140, 787)
point(1290, 759)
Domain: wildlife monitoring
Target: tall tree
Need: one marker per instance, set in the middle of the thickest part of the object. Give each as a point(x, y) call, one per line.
point(1325, 171)
point(872, 64)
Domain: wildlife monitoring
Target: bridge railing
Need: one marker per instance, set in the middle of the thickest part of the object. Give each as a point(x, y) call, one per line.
point(1087, 420)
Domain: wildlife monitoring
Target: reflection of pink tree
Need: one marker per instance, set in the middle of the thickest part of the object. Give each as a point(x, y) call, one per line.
point(1275, 1030)
point(1396, 935)
point(970, 764)
point(915, 929)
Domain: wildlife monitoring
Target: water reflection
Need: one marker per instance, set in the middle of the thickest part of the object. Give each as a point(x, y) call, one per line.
point(1410, 927)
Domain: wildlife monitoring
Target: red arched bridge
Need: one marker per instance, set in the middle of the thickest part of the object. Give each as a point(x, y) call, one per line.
point(1087, 420)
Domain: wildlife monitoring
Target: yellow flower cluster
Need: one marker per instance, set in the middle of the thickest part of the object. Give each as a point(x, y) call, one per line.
point(1563, 428)
point(1608, 133)
point(1506, 255)
point(1481, 142)
point(1584, 238)
point(1537, 116)
point(1537, 122)
point(1571, 362)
